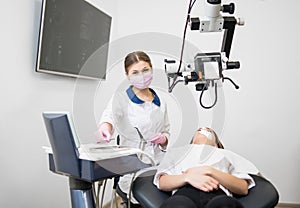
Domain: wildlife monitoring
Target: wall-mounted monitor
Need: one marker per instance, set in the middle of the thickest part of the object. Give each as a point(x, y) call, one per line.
point(73, 39)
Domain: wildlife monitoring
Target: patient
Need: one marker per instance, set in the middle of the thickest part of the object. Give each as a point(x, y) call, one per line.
point(204, 175)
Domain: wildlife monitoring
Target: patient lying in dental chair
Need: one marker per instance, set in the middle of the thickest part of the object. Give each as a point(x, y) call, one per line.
point(203, 174)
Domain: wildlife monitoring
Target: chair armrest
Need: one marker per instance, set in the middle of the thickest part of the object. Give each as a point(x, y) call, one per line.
point(148, 195)
point(262, 195)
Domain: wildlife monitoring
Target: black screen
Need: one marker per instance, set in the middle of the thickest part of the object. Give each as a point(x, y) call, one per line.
point(74, 37)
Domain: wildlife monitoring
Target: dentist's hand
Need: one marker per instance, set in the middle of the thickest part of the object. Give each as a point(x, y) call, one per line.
point(159, 139)
point(104, 133)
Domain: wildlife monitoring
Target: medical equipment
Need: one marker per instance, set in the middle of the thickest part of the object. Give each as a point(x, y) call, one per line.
point(83, 170)
point(201, 70)
point(142, 140)
point(127, 197)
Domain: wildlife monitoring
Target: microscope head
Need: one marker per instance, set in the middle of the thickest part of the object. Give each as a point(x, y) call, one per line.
point(213, 20)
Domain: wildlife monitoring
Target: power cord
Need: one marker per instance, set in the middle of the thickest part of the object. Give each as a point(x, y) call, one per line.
point(202, 92)
point(191, 4)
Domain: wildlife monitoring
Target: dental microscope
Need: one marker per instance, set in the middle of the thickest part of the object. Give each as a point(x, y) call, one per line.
point(200, 71)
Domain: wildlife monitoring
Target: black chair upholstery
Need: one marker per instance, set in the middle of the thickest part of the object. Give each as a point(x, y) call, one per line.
point(263, 195)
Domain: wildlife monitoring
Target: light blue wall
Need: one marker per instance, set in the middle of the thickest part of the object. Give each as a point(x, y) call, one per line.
point(261, 119)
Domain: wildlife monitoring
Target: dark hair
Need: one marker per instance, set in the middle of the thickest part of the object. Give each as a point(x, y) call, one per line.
point(218, 142)
point(135, 57)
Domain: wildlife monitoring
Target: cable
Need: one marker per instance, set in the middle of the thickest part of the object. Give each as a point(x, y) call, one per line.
point(130, 189)
point(173, 85)
point(98, 193)
point(216, 96)
point(235, 85)
point(134, 174)
point(103, 191)
point(191, 4)
point(94, 193)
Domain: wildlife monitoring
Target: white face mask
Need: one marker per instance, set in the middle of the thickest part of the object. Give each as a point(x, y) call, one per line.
point(206, 133)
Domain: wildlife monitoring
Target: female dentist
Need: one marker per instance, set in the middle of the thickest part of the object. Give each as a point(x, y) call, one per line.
point(137, 111)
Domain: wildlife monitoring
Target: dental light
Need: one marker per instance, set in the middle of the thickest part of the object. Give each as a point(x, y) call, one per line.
point(202, 70)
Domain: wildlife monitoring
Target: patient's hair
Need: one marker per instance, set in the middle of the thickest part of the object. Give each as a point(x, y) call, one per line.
point(218, 142)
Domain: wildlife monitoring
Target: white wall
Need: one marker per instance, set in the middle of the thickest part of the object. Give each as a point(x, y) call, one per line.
point(261, 119)
point(25, 178)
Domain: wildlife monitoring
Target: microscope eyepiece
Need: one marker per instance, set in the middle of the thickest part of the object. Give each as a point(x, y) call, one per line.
point(228, 8)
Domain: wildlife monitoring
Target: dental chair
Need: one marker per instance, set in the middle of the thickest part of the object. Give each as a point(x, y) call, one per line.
point(262, 195)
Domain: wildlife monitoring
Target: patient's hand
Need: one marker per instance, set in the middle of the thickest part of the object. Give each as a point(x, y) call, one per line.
point(199, 178)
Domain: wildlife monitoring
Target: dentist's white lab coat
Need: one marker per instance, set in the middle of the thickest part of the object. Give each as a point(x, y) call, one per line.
point(126, 112)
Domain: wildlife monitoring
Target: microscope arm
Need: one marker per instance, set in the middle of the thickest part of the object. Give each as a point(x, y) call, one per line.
point(229, 27)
